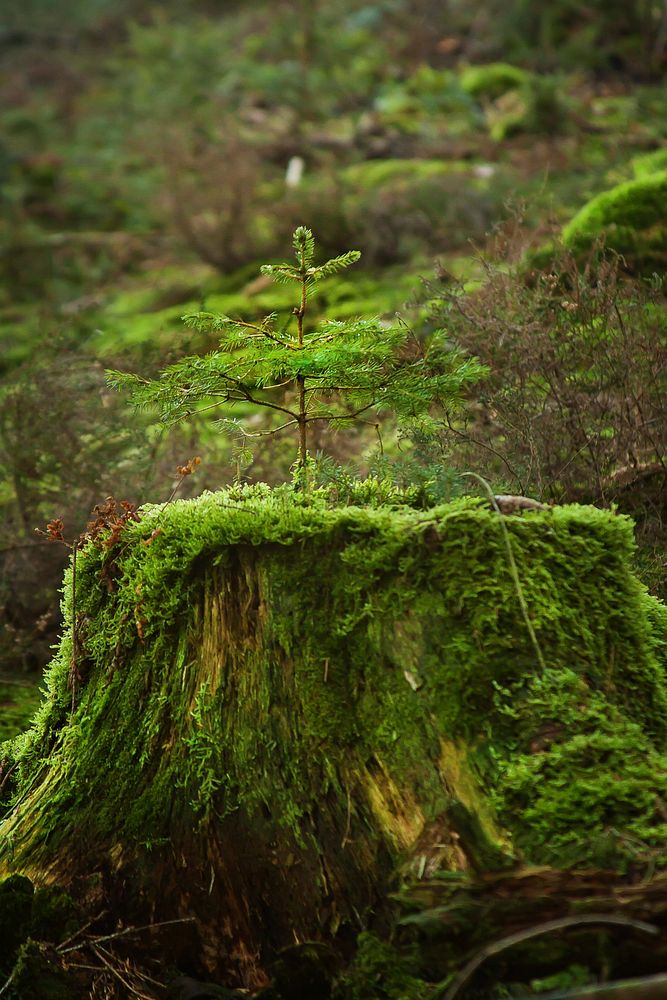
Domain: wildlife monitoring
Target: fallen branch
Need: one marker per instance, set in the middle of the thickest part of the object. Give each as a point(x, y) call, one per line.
point(496, 947)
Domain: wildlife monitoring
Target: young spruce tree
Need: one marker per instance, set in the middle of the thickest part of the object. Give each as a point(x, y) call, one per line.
point(338, 372)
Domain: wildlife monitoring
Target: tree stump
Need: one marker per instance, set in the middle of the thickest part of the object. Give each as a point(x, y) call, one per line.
point(271, 706)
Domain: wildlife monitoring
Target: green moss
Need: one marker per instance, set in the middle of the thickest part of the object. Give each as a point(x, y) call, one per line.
point(631, 219)
point(536, 107)
point(18, 703)
point(381, 972)
point(16, 893)
point(29, 919)
point(55, 916)
point(650, 163)
point(278, 631)
point(35, 975)
point(575, 757)
point(374, 174)
point(492, 80)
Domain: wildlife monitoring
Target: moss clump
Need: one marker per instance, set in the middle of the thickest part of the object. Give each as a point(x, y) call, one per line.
point(375, 174)
point(630, 219)
point(381, 971)
point(29, 919)
point(650, 163)
point(574, 755)
point(268, 664)
point(36, 975)
point(492, 80)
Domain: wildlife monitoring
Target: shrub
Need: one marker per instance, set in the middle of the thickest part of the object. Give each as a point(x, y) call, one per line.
point(399, 209)
point(575, 403)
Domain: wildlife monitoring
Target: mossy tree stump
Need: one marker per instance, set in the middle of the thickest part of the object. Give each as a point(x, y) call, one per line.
point(278, 704)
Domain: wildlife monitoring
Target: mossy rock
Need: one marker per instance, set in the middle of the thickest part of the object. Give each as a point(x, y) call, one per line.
point(32, 922)
point(492, 80)
point(630, 219)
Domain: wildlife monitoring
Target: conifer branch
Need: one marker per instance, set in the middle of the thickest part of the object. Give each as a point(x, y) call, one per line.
point(358, 364)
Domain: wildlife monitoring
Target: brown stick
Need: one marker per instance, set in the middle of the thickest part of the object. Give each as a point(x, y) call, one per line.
point(552, 925)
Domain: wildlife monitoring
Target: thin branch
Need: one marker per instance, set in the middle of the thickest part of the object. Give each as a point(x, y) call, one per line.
point(265, 333)
point(77, 933)
point(271, 406)
point(136, 971)
point(547, 928)
point(8, 982)
point(244, 395)
point(133, 990)
point(267, 433)
point(344, 416)
point(133, 930)
point(74, 669)
point(486, 447)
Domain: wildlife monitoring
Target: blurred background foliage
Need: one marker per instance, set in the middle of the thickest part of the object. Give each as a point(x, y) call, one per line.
point(153, 155)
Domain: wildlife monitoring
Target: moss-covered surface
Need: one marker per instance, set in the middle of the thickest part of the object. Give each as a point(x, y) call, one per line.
point(29, 919)
point(650, 163)
point(18, 703)
point(146, 317)
point(630, 219)
point(278, 700)
point(493, 79)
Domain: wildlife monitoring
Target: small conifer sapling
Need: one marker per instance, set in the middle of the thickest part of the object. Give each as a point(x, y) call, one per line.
point(339, 372)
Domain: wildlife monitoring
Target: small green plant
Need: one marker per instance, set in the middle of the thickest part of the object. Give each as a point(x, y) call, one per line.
point(337, 372)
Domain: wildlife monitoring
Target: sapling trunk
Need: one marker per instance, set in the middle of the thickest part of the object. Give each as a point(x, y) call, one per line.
point(300, 380)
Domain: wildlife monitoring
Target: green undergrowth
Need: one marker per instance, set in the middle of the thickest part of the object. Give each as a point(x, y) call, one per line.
point(18, 702)
point(28, 918)
point(148, 316)
point(376, 629)
point(492, 79)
